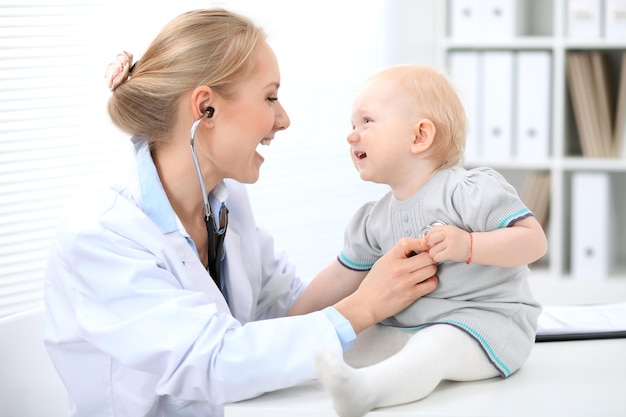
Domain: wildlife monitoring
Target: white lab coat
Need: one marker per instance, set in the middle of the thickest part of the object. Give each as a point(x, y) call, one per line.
point(135, 325)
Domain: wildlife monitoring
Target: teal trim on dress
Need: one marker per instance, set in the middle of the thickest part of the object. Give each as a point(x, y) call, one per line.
point(485, 344)
point(506, 220)
point(474, 333)
point(360, 267)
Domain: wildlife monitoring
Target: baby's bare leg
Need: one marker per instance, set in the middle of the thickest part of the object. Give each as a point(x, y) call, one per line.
point(431, 355)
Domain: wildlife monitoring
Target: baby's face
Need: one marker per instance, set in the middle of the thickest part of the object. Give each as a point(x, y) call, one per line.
point(383, 120)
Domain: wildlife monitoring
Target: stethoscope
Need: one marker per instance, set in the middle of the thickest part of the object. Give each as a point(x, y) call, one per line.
point(216, 231)
point(427, 228)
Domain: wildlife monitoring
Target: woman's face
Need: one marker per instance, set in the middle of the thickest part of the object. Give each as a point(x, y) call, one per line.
point(249, 119)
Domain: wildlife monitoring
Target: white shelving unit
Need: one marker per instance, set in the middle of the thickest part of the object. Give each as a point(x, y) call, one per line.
point(546, 30)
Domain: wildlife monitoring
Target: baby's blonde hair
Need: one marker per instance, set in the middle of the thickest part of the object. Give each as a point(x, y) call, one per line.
point(211, 47)
point(436, 99)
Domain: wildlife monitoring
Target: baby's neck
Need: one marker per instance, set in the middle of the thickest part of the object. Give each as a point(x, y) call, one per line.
point(413, 183)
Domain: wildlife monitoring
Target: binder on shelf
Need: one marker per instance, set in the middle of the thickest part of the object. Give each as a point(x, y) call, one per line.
point(487, 18)
point(533, 104)
point(584, 96)
point(464, 18)
point(619, 131)
point(615, 19)
point(536, 196)
point(591, 225)
point(577, 98)
point(603, 101)
point(497, 109)
point(465, 70)
point(503, 18)
point(584, 18)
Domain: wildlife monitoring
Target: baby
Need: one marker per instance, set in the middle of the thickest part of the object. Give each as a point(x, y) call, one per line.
point(408, 131)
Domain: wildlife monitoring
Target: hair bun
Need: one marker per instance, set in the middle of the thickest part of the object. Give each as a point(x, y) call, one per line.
point(118, 70)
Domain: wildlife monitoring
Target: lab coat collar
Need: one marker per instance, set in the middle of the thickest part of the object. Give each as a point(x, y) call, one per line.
point(155, 202)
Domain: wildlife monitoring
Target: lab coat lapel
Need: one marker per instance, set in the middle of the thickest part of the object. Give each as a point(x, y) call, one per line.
point(190, 271)
point(240, 292)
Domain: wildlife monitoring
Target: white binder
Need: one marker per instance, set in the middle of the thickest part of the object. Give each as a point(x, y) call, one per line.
point(584, 18)
point(533, 92)
point(465, 70)
point(464, 18)
point(487, 18)
point(615, 19)
point(590, 225)
point(503, 18)
point(497, 108)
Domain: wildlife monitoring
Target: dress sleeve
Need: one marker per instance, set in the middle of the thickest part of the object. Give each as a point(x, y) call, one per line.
point(361, 245)
point(486, 201)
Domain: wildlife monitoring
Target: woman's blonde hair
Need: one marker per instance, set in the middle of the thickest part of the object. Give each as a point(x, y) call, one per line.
point(211, 47)
point(437, 100)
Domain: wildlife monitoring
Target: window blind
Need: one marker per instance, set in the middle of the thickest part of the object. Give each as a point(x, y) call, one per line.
point(53, 133)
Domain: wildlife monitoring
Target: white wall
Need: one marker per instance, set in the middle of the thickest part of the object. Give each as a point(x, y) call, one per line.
point(308, 187)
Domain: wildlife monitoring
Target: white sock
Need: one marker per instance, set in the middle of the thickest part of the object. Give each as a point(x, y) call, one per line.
point(344, 384)
point(435, 353)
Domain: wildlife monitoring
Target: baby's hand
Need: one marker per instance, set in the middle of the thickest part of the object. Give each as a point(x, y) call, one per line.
point(448, 243)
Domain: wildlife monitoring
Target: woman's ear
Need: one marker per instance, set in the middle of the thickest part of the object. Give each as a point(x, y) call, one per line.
point(423, 136)
point(201, 99)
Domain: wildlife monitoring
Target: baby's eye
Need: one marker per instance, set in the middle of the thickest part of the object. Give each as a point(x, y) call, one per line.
point(366, 120)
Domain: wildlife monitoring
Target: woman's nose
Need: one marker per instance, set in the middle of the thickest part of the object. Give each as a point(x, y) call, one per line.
point(281, 121)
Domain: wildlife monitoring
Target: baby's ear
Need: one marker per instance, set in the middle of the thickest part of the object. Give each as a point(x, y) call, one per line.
point(423, 136)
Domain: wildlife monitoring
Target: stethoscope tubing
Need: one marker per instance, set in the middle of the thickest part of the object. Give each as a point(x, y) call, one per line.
point(192, 139)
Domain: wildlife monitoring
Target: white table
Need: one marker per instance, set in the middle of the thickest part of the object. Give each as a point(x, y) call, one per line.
point(560, 379)
point(569, 379)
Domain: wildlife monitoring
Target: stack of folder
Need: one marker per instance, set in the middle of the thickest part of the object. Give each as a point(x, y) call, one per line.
point(598, 113)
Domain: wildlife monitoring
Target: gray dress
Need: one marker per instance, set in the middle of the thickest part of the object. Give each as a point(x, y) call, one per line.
point(492, 304)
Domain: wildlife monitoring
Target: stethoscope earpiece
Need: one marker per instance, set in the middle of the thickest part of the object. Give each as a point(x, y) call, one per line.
point(209, 112)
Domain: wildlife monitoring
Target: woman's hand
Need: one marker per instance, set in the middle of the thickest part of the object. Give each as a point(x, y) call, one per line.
point(396, 280)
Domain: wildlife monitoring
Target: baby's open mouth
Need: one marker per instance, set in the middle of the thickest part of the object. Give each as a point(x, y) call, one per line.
point(360, 155)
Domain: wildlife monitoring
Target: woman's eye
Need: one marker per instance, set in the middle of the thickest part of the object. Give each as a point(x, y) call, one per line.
point(272, 99)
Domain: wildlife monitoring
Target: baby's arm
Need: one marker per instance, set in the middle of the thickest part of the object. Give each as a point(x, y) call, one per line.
point(332, 284)
point(522, 243)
